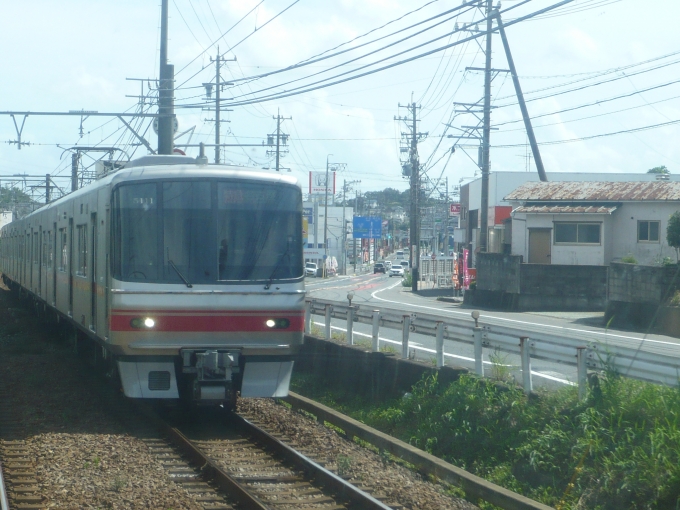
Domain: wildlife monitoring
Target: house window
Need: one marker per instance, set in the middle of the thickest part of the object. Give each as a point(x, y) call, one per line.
point(577, 233)
point(648, 231)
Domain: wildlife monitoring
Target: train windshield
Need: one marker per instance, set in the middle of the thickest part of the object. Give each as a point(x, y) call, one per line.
point(206, 231)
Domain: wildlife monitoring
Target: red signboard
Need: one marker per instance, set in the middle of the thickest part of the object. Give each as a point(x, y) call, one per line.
point(454, 209)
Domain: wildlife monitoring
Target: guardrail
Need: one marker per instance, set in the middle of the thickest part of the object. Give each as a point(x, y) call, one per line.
point(569, 349)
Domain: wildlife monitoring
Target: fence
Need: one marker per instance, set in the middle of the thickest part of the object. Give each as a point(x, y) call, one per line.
point(437, 272)
point(570, 349)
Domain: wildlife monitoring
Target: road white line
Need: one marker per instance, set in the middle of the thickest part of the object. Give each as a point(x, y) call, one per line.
point(606, 334)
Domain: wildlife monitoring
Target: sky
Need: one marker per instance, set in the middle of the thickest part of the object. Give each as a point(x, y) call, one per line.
point(588, 69)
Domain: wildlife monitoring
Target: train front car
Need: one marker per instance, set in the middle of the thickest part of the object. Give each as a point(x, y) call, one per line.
point(207, 292)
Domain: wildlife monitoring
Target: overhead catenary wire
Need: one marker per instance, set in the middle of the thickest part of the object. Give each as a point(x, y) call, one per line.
point(320, 84)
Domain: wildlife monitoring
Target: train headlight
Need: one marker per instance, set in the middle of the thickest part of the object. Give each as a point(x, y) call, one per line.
point(277, 323)
point(139, 322)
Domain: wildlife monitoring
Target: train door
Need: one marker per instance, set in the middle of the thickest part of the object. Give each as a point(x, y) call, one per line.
point(53, 264)
point(40, 260)
point(93, 278)
point(69, 269)
point(31, 247)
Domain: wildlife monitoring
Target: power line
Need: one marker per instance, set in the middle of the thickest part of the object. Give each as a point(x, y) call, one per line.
point(320, 84)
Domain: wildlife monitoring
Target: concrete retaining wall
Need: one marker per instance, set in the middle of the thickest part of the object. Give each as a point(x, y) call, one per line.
point(503, 281)
point(637, 295)
point(378, 374)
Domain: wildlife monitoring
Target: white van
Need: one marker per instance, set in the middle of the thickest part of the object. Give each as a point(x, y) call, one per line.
point(400, 255)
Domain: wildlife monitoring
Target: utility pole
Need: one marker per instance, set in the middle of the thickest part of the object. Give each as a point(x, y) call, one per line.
point(486, 134)
point(166, 92)
point(47, 188)
point(219, 60)
point(325, 220)
point(345, 187)
point(75, 160)
point(281, 139)
point(414, 163)
point(520, 99)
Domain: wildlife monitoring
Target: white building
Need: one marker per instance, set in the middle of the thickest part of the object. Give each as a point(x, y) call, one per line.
point(313, 224)
point(592, 223)
point(501, 184)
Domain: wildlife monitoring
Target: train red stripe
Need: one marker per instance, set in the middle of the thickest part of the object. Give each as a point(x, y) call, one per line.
point(207, 323)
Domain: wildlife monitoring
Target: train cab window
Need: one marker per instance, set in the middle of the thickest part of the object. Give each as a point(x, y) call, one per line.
point(259, 227)
point(135, 232)
point(187, 218)
point(81, 267)
point(206, 231)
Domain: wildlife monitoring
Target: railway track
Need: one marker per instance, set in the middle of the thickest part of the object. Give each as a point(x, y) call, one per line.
point(254, 469)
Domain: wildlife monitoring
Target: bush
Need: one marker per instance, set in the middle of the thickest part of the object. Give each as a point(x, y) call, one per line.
point(618, 449)
point(407, 280)
point(675, 299)
point(629, 259)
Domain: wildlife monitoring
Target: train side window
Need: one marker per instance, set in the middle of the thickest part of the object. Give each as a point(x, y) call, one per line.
point(50, 255)
point(36, 248)
point(63, 255)
point(45, 244)
point(82, 251)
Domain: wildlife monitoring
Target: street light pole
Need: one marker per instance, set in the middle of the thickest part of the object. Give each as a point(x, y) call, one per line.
point(325, 222)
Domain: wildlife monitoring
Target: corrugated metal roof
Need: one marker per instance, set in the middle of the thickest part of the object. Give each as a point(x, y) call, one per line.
point(564, 209)
point(597, 191)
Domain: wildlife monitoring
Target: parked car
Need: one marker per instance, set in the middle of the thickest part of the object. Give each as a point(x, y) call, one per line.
point(396, 271)
point(310, 269)
point(379, 267)
point(388, 264)
point(405, 265)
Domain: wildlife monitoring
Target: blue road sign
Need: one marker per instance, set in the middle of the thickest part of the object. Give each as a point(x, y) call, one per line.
point(367, 228)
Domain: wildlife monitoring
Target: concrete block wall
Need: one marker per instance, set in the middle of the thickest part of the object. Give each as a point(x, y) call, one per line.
point(634, 283)
point(499, 272)
point(563, 287)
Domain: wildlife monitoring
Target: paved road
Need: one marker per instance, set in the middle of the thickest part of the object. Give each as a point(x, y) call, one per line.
point(381, 290)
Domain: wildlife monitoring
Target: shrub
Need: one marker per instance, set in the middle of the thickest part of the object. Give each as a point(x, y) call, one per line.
point(407, 280)
point(629, 259)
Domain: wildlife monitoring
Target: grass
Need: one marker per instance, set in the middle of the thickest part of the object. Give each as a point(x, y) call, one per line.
point(620, 448)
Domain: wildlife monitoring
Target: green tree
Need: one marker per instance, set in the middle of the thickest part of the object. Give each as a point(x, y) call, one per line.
point(673, 233)
point(658, 170)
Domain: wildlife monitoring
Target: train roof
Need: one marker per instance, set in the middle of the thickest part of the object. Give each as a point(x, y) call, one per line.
point(172, 166)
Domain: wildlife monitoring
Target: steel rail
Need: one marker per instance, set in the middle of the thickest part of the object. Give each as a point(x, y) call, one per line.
point(474, 486)
point(4, 503)
point(341, 489)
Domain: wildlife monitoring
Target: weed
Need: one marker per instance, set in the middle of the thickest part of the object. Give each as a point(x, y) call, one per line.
point(629, 259)
point(363, 342)
point(500, 370)
point(387, 348)
point(344, 464)
point(675, 299)
point(338, 336)
point(618, 449)
point(119, 483)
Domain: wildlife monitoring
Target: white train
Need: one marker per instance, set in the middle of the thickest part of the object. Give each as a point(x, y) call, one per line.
point(187, 278)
